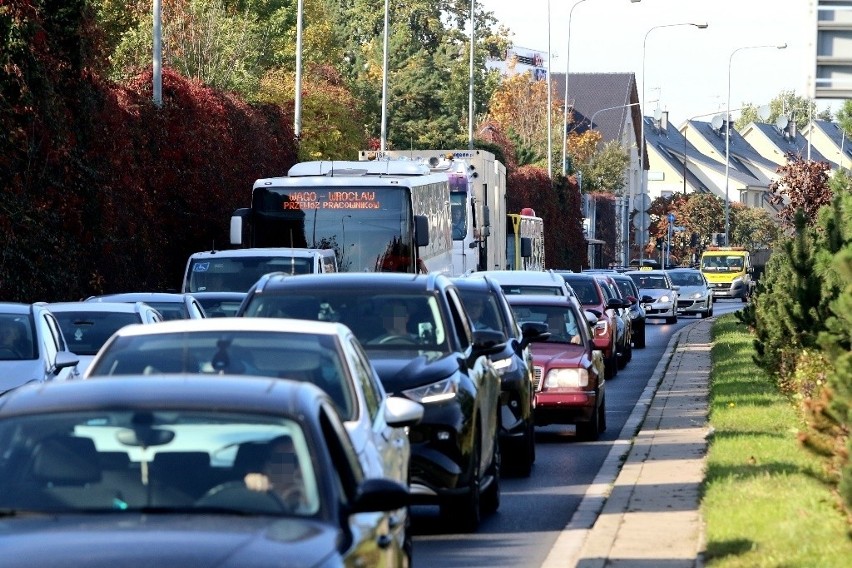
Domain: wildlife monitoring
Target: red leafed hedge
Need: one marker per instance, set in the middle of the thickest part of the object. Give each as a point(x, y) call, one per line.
point(558, 203)
point(102, 191)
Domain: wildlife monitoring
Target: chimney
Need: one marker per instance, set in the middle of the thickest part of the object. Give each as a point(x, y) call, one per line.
point(664, 121)
point(792, 129)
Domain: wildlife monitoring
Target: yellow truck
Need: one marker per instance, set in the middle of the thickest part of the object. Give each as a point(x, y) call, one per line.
point(728, 271)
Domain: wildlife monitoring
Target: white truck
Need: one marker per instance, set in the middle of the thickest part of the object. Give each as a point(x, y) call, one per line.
point(235, 270)
point(478, 203)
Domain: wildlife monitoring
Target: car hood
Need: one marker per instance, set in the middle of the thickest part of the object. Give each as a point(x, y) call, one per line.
point(559, 355)
point(690, 290)
point(404, 370)
point(16, 373)
point(165, 541)
point(657, 293)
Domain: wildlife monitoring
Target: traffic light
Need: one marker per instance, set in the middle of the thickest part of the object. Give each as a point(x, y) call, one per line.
point(693, 240)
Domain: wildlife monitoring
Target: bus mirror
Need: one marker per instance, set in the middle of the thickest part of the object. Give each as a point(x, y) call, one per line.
point(526, 247)
point(486, 211)
point(421, 230)
point(237, 225)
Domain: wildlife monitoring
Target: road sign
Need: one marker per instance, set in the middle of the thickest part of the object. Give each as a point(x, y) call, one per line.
point(671, 217)
point(641, 235)
point(642, 202)
point(642, 221)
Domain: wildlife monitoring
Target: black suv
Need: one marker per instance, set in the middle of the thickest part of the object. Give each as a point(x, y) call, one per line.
point(488, 309)
point(419, 338)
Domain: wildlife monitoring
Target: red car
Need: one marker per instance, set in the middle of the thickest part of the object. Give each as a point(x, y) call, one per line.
point(593, 299)
point(568, 368)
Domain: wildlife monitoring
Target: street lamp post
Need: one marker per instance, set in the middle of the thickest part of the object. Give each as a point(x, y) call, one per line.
point(700, 26)
point(549, 103)
point(565, 99)
point(384, 132)
point(297, 96)
point(157, 77)
point(728, 137)
point(470, 80)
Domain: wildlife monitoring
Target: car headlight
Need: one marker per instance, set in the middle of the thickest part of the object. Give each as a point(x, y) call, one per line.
point(664, 298)
point(503, 366)
point(697, 296)
point(566, 378)
point(435, 392)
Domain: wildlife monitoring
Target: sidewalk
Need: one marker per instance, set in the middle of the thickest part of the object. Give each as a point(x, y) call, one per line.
point(645, 514)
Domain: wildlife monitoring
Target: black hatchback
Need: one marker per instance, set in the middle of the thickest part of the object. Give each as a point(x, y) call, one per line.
point(417, 335)
point(488, 309)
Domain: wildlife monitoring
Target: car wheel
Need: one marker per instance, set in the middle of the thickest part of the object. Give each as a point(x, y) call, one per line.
point(639, 338)
point(591, 430)
point(490, 499)
point(526, 452)
point(463, 511)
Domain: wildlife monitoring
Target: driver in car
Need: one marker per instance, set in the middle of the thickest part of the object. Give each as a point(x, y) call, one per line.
point(395, 317)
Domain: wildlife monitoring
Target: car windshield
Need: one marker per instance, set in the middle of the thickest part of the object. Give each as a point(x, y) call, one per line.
point(721, 263)
point(686, 278)
point(16, 338)
point(220, 307)
point(306, 357)
point(484, 313)
point(86, 331)
point(561, 321)
point(528, 290)
point(650, 281)
point(123, 460)
point(378, 319)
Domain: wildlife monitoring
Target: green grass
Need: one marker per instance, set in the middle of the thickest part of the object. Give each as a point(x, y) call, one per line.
point(765, 499)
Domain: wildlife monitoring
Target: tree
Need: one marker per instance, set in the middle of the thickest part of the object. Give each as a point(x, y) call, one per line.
point(753, 228)
point(799, 109)
point(803, 185)
point(519, 106)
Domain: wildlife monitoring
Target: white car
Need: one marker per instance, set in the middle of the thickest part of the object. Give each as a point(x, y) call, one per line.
point(531, 282)
point(694, 295)
point(86, 326)
point(658, 285)
point(323, 353)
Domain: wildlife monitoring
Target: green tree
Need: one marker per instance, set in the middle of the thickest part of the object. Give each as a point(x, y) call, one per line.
point(753, 228)
point(605, 171)
point(787, 103)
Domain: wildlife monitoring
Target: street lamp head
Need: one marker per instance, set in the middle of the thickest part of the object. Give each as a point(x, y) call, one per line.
point(781, 46)
point(701, 25)
point(635, 1)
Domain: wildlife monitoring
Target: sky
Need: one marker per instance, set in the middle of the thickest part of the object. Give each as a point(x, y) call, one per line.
point(685, 68)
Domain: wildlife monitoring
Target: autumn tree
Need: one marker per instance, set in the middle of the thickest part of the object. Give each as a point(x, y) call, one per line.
point(752, 227)
point(803, 185)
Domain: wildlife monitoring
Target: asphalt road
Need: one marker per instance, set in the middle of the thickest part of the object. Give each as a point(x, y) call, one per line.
point(534, 510)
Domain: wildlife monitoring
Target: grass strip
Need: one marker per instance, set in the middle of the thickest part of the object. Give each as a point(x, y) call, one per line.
point(765, 499)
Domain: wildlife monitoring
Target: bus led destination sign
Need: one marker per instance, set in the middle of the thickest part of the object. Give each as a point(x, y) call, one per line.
point(302, 200)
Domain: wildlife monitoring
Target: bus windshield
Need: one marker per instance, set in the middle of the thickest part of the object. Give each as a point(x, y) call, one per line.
point(369, 228)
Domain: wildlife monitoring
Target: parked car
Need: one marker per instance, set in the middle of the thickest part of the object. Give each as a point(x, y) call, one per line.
point(569, 369)
point(170, 305)
point(624, 324)
point(695, 295)
point(530, 282)
point(593, 299)
point(663, 293)
point(418, 336)
point(488, 309)
point(32, 347)
point(220, 304)
point(637, 312)
point(86, 326)
point(322, 353)
point(144, 471)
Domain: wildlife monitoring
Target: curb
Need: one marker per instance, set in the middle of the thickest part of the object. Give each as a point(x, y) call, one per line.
point(569, 543)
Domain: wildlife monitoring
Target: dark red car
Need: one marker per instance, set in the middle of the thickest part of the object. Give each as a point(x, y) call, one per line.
point(568, 368)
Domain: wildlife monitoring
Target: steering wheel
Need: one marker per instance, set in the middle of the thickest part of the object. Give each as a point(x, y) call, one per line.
point(235, 495)
point(396, 340)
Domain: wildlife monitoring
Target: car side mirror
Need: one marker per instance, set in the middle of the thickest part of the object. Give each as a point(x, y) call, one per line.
point(533, 332)
point(487, 342)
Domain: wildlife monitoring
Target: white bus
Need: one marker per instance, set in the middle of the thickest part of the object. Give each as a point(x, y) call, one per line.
point(383, 216)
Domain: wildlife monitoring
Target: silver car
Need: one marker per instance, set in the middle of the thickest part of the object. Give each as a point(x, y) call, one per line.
point(695, 295)
point(664, 293)
point(86, 326)
point(32, 347)
point(323, 353)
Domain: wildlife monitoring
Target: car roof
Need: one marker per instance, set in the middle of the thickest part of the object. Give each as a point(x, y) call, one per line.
point(117, 307)
point(16, 308)
point(234, 325)
point(261, 251)
point(139, 297)
point(217, 295)
point(222, 392)
point(521, 299)
point(395, 281)
point(520, 276)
